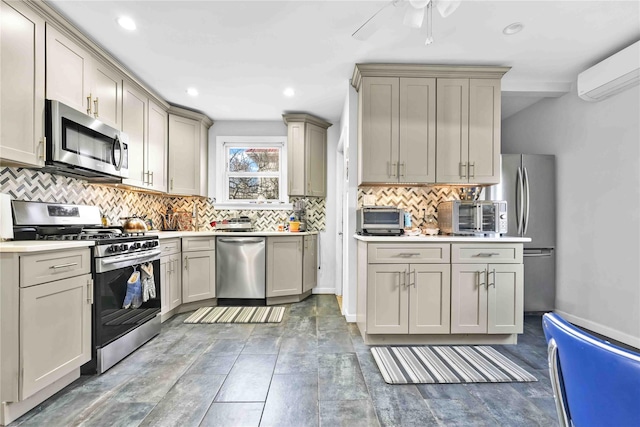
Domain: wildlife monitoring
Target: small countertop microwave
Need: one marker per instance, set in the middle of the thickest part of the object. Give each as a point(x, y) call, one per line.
point(473, 217)
point(81, 146)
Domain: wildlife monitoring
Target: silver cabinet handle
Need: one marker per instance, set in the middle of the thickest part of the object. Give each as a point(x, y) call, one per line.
point(394, 169)
point(463, 172)
point(493, 271)
point(89, 104)
point(172, 184)
point(90, 291)
point(186, 263)
point(414, 278)
point(403, 169)
point(486, 254)
point(408, 254)
point(472, 173)
point(482, 273)
point(151, 176)
point(71, 264)
point(402, 274)
point(95, 106)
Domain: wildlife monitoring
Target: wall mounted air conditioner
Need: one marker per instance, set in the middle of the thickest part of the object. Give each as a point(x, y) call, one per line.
point(613, 75)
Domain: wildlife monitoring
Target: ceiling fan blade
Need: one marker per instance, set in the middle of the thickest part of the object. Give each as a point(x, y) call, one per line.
point(376, 21)
point(447, 7)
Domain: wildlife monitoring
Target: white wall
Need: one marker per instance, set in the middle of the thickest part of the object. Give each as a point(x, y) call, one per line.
point(597, 148)
point(327, 238)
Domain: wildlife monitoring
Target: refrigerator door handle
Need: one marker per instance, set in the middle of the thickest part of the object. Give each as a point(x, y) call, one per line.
point(519, 201)
point(527, 192)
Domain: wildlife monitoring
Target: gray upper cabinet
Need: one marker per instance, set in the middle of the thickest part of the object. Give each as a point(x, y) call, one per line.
point(468, 131)
point(397, 119)
point(427, 124)
point(134, 124)
point(80, 80)
point(22, 48)
point(306, 155)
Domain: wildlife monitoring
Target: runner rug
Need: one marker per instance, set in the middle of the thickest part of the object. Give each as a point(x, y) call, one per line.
point(236, 315)
point(447, 364)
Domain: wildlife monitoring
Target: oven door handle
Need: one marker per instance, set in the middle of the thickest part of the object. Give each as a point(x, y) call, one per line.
point(135, 258)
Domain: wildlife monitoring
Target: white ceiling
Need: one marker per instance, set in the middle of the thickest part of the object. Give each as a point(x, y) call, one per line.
point(241, 55)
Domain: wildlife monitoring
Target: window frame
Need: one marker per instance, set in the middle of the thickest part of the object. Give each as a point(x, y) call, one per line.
point(223, 144)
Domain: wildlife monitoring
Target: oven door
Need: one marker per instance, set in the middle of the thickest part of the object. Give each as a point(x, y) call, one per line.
point(75, 139)
point(116, 311)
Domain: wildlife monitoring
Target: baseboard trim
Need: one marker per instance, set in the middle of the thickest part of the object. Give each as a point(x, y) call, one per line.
point(350, 318)
point(601, 329)
point(331, 291)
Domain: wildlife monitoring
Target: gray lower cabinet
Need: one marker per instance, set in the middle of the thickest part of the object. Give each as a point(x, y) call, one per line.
point(310, 262)
point(198, 268)
point(284, 266)
point(45, 328)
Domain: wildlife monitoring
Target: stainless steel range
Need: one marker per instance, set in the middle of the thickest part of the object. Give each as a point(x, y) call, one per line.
point(126, 273)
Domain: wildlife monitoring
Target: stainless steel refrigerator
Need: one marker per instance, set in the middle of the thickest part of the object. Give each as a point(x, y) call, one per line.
point(528, 184)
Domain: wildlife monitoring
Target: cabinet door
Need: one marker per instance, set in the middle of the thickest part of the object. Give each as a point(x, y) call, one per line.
point(452, 130)
point(106, 89)
point(296, 158)
point(505, 298)
point(387, 299)
point(134, 116)
point(51, 349)
point(284, 266)
point(310, 263)
point(184, 155)
point(175, 281)
point(68, 67)
point(484, 131)
point(165, 274)
point(429, 299)
point(198, 276)
point(379, 120)
point(22, 82)
point(157, 146)
point(316, 161)
point(417, 130)
point(468, 298)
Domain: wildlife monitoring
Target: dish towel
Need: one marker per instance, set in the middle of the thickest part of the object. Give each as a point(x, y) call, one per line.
point(148, 282)
point(133, 298)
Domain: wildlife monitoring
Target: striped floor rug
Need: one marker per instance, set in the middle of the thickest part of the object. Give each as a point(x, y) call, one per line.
point(236, 315)
point(446, 364)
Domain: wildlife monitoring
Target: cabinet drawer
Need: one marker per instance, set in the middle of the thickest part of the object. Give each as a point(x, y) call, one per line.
point(482, 252)
point(49, 266)
point(414, 253)
point(169, 246)
point(198, 243)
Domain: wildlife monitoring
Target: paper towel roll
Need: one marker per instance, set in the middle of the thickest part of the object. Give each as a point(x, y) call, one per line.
point(6, 218)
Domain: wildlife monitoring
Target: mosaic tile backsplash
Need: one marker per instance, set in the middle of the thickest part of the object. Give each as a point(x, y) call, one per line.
point(418, 201)
point(33, 185)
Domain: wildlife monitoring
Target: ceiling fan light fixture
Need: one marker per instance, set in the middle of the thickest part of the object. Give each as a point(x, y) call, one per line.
point(429, 12)
point(512, 29)
point(447, 7)
point(413, 17)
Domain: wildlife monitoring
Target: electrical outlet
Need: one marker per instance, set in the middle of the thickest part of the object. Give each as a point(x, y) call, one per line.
point(369, 200)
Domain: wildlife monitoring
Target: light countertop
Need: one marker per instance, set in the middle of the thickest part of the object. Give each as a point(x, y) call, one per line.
point(43, 245)
point(441, 239)
point(173, 234)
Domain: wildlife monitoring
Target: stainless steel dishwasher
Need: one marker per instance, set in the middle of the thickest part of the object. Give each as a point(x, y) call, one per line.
point(240, 270)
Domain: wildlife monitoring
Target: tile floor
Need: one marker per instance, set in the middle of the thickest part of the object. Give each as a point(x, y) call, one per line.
point(311, 369)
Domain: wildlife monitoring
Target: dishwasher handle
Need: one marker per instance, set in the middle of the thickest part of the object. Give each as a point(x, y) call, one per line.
point(241, 240)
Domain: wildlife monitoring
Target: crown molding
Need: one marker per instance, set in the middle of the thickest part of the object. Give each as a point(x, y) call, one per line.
point(305, 118)
point(425, 70)
point(190, 114)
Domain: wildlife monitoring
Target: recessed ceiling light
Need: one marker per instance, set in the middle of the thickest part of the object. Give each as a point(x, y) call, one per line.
point(192, 91)
point(512, 29)
point(127, 23)
point(289, 92)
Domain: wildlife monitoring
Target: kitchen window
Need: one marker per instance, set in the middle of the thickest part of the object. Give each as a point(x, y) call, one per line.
point(251, 172)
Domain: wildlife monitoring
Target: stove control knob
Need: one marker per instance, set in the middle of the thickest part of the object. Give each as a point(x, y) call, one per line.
point(123, 247)
point(111, 248)
point(156, 243)
point(137, 246)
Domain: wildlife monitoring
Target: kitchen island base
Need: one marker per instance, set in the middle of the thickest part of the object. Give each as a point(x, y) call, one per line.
point(450, 339)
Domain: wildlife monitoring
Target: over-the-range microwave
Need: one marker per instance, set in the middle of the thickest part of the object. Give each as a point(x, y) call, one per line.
point(81, 146)
point(473, 217)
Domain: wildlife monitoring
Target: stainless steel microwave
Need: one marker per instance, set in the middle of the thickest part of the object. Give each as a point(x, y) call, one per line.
point(380, 221)
point(468, 217)
point(80, 146)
